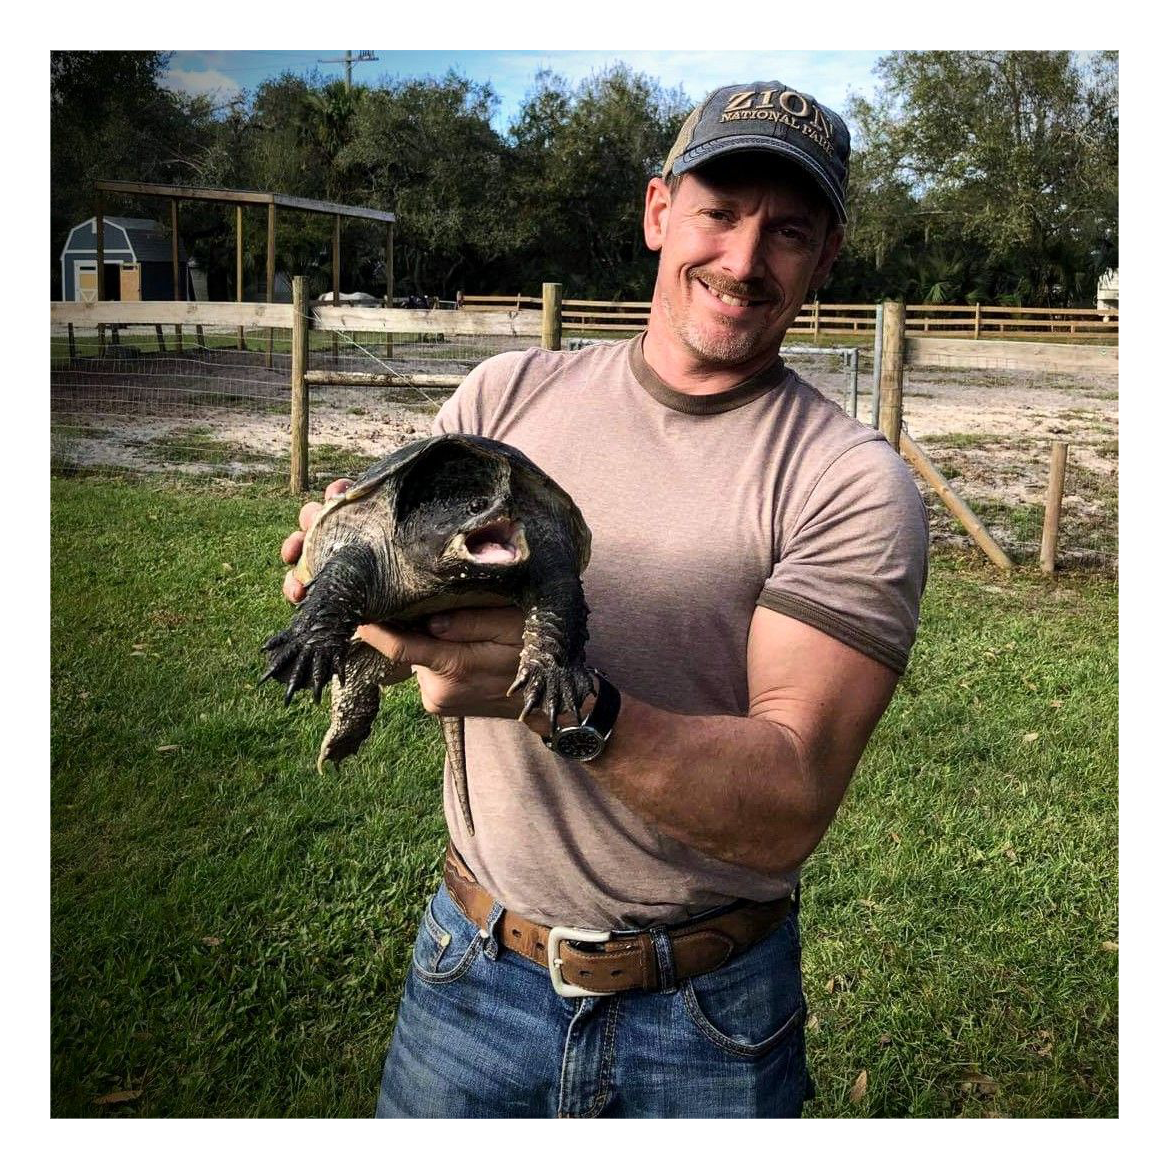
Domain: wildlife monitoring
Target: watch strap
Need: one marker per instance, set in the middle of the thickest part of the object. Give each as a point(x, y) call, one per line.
point(599, 721)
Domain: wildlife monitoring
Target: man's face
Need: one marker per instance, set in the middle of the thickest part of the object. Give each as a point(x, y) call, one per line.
point(742, 241)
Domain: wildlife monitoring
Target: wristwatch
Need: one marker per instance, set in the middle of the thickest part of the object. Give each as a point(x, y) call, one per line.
point(587, 741)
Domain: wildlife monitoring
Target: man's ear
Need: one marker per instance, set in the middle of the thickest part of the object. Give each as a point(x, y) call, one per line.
point(657, 214)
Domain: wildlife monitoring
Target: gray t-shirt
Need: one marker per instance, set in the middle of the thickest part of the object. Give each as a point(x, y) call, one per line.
point(701, 508)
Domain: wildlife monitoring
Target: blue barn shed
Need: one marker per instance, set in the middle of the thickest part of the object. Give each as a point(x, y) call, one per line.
point(137, 261)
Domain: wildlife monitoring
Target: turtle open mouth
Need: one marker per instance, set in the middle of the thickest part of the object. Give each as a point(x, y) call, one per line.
point(499, 542)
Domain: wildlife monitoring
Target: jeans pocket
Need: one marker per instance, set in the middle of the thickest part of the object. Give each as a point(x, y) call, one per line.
point(754, 1003)
point(447, 943)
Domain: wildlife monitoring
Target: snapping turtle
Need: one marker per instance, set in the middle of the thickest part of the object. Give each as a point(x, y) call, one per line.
point(447, 522)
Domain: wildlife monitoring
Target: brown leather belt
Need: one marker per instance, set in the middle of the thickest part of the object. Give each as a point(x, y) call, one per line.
point(627, 960)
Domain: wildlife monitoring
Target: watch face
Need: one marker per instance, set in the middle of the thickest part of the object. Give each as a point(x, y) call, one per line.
point(580, 743)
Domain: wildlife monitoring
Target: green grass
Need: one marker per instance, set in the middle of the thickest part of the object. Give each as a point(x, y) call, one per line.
point(230, 930)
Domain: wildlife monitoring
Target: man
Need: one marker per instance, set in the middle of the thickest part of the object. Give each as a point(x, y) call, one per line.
point(758, 559)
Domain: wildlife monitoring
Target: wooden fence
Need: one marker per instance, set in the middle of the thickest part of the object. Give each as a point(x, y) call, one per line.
point(975, 321)
point(903, 344)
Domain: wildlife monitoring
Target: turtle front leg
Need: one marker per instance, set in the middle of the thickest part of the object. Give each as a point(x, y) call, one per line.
point(552, 674)
point(316, 645)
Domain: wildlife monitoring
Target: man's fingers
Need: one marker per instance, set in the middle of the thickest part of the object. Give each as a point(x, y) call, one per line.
point(293, 590)
point(308, 513)
point(415, 648)
point(291, 548)
point(337, 487)
point(504, 625)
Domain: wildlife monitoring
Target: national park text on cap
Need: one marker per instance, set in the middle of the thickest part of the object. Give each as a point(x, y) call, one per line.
point(766, 115)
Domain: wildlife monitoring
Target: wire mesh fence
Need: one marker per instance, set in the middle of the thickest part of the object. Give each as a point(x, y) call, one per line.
point(145, 400)
point(214, 403)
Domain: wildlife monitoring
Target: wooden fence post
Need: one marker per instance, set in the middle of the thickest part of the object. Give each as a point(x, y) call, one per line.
point(239, 268)
point(551, 325)
point(977, 321)
point(174, 256)
point(298, 470)
point(816, 322)
point(892, 370)
point(1054, 506)
point(389, 283)
point(271, 275)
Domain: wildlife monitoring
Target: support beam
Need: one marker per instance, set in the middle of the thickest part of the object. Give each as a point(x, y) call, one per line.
point(336, 273)
point(920, 461)
point(99, 228)
point(174, 260)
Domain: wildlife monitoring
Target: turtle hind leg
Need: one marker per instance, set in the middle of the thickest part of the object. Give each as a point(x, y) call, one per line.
point(355, 702)
point(456, 751)
point(316, 645)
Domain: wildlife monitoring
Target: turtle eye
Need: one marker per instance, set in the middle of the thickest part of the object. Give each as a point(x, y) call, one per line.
point(479, 503)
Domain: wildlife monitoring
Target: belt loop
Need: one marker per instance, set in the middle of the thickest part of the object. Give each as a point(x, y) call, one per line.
point(796, 900)
point(487, 933)
point(664, 952)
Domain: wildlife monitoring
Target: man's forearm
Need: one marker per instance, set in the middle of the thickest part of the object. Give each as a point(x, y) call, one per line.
point(733, 788)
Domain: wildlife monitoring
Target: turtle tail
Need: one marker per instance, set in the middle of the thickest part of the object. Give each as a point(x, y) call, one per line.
point(314, 647)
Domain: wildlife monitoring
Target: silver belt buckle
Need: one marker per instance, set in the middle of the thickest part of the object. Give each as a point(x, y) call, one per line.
point(561, 933)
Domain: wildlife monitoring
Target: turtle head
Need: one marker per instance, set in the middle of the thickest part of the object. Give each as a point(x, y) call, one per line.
point(456, 515)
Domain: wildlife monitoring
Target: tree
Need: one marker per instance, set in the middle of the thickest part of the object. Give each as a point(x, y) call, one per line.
point(110, 118)
point(426, 150)
point(583, 159)
point(1008, 159)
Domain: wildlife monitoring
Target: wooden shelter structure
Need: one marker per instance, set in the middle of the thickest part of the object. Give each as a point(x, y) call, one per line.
point(241, 199)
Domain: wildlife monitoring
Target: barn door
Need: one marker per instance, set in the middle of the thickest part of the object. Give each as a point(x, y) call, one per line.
point(85, 281)
point(131, 282)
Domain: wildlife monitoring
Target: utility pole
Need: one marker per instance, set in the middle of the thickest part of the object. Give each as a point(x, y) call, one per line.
point(347, 60)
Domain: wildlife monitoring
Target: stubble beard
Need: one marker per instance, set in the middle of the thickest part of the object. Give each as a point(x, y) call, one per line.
point(723, 342)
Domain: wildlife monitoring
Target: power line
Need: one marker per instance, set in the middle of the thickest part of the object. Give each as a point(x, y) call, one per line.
point(347, 60)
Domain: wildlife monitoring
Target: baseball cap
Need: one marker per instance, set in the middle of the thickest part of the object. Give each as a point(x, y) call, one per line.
point(767, 116)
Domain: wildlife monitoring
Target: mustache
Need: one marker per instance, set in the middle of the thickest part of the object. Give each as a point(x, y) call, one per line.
point(749, 290)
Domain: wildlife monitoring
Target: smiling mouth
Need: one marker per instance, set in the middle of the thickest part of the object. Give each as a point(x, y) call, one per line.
point(728, 298)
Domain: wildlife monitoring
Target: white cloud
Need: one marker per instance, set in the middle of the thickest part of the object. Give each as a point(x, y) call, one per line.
point(201, 82)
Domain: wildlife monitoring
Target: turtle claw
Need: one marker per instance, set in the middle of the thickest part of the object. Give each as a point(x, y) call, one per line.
point(553, 688)
point(303, 666)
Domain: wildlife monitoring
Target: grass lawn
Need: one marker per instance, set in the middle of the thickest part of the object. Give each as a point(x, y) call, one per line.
point(230, 930)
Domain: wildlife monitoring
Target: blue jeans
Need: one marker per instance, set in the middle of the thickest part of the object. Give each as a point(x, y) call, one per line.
point(481, 1033)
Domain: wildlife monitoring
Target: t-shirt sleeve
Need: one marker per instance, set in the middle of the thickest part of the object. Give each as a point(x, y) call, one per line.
point(467, 410)
point(853, 563)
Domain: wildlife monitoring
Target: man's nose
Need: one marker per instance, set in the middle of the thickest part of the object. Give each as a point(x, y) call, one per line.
point(742, 257)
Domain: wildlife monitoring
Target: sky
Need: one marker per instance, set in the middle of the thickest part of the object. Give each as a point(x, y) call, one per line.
point(829, 75)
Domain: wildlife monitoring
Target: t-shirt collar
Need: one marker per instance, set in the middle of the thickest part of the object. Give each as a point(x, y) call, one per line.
point(767, 379)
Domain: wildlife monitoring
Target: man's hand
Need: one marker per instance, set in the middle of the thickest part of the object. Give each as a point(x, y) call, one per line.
point(293, 544)
point(465, 663)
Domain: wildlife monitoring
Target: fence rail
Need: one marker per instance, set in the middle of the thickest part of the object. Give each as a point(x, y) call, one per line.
point(974, 320)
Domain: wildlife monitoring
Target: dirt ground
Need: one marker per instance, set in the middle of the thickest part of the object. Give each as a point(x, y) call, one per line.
point(989, 431)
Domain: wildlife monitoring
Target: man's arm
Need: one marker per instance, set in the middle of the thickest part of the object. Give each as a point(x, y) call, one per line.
point(757, 791)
